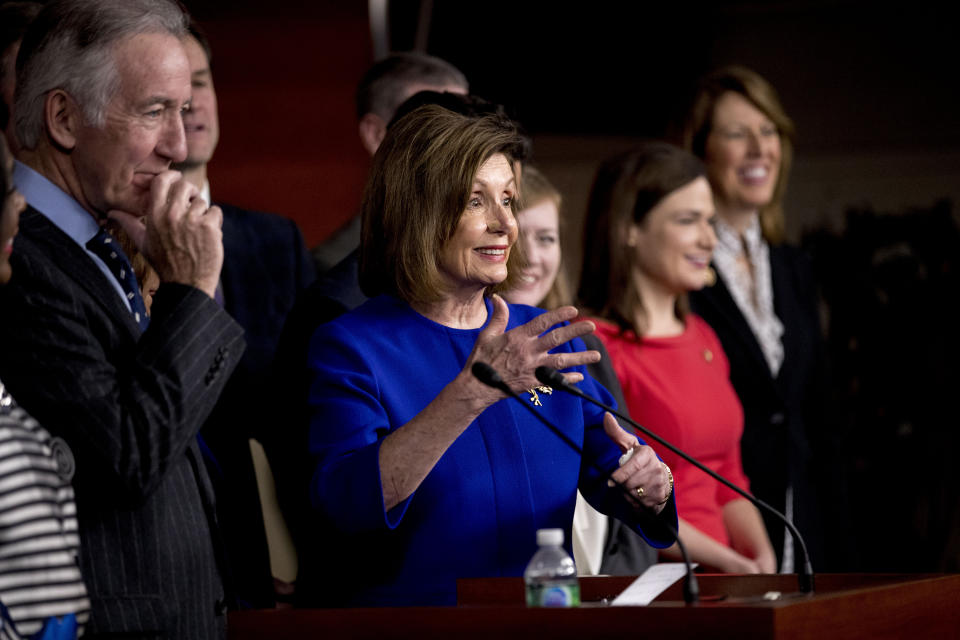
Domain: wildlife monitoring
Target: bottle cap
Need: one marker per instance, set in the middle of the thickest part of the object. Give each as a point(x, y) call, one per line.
point(549, 537)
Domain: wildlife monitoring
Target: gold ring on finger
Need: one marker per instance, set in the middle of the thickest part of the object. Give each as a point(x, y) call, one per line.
point(640, 492)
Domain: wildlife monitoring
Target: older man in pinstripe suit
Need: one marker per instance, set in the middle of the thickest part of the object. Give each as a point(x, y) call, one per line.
point(101, 89)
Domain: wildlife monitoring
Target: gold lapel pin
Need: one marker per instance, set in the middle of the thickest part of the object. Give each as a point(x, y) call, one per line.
point(534, 398)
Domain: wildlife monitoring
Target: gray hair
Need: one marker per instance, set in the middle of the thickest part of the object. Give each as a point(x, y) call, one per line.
point(70, 45)
point(386, 84)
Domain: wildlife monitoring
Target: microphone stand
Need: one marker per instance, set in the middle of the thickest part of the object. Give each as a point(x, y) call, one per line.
point(551, 377)
point(489, 376)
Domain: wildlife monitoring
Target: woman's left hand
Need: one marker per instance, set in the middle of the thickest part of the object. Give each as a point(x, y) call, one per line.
point(516, 354)
point(643, 474)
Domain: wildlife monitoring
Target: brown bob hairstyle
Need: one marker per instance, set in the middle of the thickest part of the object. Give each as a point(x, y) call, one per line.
point(625, 189)
point(761, 95)
point(419, 184)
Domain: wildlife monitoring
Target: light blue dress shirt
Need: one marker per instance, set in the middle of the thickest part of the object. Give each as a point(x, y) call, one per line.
point(64, 212)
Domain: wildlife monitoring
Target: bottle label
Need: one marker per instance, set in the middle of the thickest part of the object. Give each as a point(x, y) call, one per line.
point(553, 594)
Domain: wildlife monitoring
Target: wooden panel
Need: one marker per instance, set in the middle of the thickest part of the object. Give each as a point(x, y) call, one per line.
point(846, 606)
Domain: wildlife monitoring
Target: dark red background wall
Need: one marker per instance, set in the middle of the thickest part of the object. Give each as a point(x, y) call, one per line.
point(285, 77)
point(869, 88)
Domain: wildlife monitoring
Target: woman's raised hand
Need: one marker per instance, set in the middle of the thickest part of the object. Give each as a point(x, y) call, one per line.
point(516, 354)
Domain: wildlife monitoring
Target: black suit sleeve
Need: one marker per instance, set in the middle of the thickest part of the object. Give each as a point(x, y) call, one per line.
point(128, 407)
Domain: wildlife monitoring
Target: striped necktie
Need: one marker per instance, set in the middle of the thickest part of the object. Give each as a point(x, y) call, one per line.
point(108, 250)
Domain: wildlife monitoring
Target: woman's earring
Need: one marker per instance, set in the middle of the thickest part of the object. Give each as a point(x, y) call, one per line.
point(710, 277)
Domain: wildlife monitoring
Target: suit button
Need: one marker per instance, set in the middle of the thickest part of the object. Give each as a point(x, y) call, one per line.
point(777, 418)
point(63, 456)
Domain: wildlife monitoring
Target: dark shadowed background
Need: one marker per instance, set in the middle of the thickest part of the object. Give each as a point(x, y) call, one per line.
point(873, 91)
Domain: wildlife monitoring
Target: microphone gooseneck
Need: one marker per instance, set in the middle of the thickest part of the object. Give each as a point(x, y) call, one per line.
point(489, 376)
point(552, 377)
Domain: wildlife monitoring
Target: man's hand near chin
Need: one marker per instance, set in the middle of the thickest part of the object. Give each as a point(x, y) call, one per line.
point(179, 234)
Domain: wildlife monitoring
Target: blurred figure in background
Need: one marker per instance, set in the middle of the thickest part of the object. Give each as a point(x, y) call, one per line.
point(265, 266)
point(15, 17)
point(543, 280)
point(385, 86)
point(648, 241)
point(147, 277)
point(601, 545)
point(763, 307)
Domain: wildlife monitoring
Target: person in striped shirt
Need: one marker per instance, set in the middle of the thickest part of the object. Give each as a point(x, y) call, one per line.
point(42, 593)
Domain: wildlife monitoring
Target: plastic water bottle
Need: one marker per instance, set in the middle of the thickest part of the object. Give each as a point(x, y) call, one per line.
point(551, 576)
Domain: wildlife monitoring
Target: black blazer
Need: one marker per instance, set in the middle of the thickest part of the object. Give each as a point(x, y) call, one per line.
point(784, 416)
point(129, 406)
point(265, 266)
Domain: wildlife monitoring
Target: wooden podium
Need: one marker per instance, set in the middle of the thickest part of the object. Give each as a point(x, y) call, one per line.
point(844, 606)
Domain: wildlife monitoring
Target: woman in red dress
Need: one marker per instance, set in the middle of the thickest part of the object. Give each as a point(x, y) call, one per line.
point(648, 242)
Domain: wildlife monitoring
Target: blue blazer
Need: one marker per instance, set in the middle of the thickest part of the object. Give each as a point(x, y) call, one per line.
point(477, 512)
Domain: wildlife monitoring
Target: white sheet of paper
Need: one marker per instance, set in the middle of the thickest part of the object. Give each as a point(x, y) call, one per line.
point(654, 581)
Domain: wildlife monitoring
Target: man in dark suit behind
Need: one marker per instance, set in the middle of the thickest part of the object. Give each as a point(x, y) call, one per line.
point(101, 89)
point(383, 88)
point(265, 266)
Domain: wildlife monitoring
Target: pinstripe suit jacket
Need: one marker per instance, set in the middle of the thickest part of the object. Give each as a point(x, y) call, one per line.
point(129, 406)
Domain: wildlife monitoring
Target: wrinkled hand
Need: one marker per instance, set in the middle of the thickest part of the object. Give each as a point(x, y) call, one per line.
point(643, 469)
point(182, 239)
point(516, 354)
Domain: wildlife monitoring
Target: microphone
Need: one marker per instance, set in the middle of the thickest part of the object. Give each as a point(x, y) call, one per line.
point(552, 377)
point(489, 376)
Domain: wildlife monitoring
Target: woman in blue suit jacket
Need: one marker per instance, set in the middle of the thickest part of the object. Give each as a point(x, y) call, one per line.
point(424, 474)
